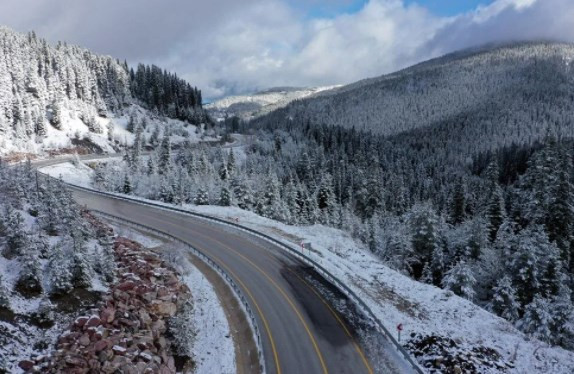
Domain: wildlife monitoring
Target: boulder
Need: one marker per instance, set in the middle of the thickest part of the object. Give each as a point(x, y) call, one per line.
point(101, 345)
point(93, 321)
point(163, 308)
point(26, 365)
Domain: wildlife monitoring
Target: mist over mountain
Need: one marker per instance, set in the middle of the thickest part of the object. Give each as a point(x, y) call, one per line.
point(260, 103)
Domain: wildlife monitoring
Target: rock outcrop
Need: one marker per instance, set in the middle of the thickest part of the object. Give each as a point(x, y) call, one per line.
point(127, 333)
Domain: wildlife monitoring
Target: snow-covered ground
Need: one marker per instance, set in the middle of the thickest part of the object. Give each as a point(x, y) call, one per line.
point(80, 175)
point(213, 347)
point(250, 106)
point(395, 298)
point(113, 135)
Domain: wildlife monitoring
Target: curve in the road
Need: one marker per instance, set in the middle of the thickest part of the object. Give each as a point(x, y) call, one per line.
point(304, 334)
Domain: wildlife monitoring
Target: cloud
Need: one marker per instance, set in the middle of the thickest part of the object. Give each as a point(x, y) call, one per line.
point(229, 46)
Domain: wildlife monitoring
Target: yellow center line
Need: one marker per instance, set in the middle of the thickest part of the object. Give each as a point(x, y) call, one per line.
point(338, 318)
point(275, 354)
point(359, 350)
point(247, 290)
point(291, 303)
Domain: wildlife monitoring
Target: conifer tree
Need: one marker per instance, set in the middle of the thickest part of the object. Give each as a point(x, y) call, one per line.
point(82, 264)
point(45, 313)
point(4, 294)
point(231, 164)
point(225, 197)
point(131, 123)
point(29, 281)
point(537, 320)
point(504, 302)
point(164, 157)
point(60, 272)
point(202, 197)
point(127, 186)
point(458, 204)
point(460, 280)
point(16, 236)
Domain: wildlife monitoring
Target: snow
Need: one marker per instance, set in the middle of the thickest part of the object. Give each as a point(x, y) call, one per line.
point(251, 106)
point(79, 175)
point(145, 240)
point(396, 298)
point(213, 347)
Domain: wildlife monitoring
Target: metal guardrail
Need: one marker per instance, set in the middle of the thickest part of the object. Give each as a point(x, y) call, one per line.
point(363, 307)
point(213, 265)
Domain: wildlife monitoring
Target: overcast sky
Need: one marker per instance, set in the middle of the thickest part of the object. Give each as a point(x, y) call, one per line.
point(236, 46)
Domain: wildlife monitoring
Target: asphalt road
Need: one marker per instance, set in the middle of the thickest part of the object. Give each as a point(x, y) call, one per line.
point(301, 333)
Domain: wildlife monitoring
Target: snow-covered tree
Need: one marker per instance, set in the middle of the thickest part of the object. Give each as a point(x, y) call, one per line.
point(504, 301)
point(4, 294)
point(460, 280)
point(60, 272)
point(537, 319)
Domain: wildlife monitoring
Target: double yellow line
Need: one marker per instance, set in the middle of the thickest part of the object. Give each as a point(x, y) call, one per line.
point(283, 293)
point(294, 307)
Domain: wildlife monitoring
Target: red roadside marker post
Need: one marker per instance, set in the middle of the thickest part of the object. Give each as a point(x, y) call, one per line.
point(399, 329)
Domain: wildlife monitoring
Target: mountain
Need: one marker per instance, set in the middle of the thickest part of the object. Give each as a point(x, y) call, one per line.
point(54, 97)
point(457, 172)
point(493, 96)
point(260, 103)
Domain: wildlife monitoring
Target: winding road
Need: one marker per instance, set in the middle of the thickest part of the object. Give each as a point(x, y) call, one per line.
point(300, 330)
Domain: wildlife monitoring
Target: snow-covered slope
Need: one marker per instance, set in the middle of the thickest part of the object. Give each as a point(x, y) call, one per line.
point(473, 335)
point(493, 96)
point(63, 96)
point(260, 103)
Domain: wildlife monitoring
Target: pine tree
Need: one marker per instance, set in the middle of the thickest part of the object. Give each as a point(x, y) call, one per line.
point(164, 158)
point(136, 149)
point(326, 201)
point(131, 123)
point(29, 282)
point(424, 224)
point(154, 138)
point(127, 186)
point(182, 328)
point(495, 211)
point(231, 164)
point(223, 172)
point(537, 320)
point(527, 263)
point(45, 313)
point(458, 204)
point(82, 264)
point(202, 197)
point(504, 302)
point(16, 236)
point(562, 312)
point(60, 272)
point(242, 195)
point(166, 193)
point(151, 166)
point(560, 221)
point(56, 119)
point(225, 197)
point(460, 280)
point(4, 294)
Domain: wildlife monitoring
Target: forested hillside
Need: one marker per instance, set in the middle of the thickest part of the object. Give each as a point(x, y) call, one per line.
point(477, 199)
point(492, 96)
point(43, 88)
